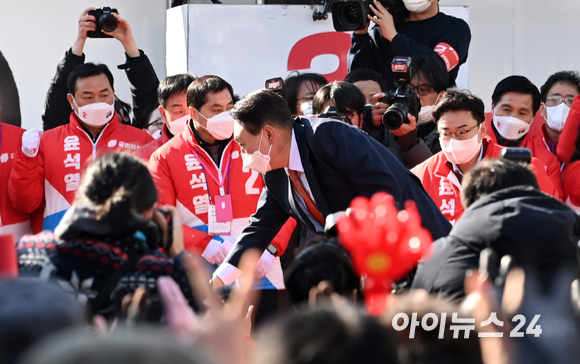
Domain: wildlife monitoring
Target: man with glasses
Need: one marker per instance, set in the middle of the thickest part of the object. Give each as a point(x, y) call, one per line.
point(462, 129)
point(515, 102)
point(172, 96)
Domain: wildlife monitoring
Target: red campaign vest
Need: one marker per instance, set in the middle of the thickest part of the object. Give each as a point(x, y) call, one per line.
point(443, 185)
point(147, 150)
point(12, 221)
point(184, 182)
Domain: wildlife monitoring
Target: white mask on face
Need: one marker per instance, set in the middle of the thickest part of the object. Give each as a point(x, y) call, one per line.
point(306, 108)
point(95, 115)
point(157, 134)
point(509, 127)
point(556, 116)
point(460, 151)
point(177, 126)
point(258, 161)
point(220, 126)
point(417, 6)
point(425, 115)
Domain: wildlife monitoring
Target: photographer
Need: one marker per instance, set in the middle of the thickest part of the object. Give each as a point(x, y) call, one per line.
point(138, 68)
point(108, 242)
point(425, 32)
point(345, 97)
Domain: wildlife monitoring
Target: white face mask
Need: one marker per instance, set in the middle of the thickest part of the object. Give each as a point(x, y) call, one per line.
point(509, 127)
point(306, 108)
point(417, 6)
point(556, 116)
point(460, 151)
point(95, 115)
point(177, 126)
point(157, 134)
point(220, 126)
point(258, 161)
point(426, 114)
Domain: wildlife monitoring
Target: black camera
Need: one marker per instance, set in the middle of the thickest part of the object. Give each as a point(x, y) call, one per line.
point(331, 112)
point(404, 100)
point(105, 21)
point(350, 15)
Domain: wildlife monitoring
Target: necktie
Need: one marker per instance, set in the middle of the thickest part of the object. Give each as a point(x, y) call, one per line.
point(310, 205)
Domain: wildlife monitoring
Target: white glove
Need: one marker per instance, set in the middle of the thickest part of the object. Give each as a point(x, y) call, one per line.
point(228, 246)
point(215, 252)
point(31, 141)
point(264, 264)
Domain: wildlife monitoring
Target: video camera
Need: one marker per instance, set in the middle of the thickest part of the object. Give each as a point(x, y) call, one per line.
point(350, 15)
point(404, 100)
point(105, 21)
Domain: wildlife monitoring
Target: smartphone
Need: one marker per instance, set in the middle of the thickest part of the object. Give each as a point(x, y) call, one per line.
point(517, 155)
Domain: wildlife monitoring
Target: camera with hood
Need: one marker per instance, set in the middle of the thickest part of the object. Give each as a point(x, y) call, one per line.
point(404, 100)
point(105, 20)
point(351, 15)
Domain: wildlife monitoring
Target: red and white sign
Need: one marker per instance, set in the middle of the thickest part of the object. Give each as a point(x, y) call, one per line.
point(248, 44)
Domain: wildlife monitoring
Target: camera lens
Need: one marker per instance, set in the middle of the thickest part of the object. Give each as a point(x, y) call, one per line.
point(395, 116)
point(108, 22)
point(352, 14)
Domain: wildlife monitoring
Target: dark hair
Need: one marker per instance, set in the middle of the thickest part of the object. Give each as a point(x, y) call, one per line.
point(172, 85)
point(201, 86)
point(115, 184)
point(323, 261)
point(87, 70)
point(492, 175)
point(426, 346)
point(431, 70)
point(147, 112)
point(32, 310)
point(365, 74)
point(9, 99)
point(326, 335)
point(517, 84)
point(260, 108)
point(123, 109)
point(458, 101)
point(144, 345)
point(569, 77)
point(292, 85)
point(345, 95)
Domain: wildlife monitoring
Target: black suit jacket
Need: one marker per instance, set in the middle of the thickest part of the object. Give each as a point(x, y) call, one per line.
point(340, 162)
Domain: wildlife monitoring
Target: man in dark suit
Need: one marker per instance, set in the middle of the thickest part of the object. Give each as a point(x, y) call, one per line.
point(315, 167)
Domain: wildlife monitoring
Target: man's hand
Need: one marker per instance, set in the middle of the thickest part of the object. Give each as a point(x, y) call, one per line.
point(31, 141)
point(177, 245)
point(124, 35)
point(264, 264)
point(215, 252)
point(87, 23)
point(378, 109)
point(406, 128)
point(383, 19)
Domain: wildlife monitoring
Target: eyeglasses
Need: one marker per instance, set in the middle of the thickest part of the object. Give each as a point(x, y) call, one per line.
point(421, 90)
point(458, 135)
point(557, 100)
point(157, 123)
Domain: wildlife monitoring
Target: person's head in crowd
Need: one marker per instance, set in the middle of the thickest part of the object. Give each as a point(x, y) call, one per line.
point(9, 99)
point(324, 261)
point(493, 175)
point(153, 121)
point(208, 96)
point(92, 95)
point(120, 190)
point(325, 335)
point(172, 98)
point(461, 125)
point(123, 109)
point(429, 79)
point(369, 81)
point(557, 96)
point(299, 89)
point(514, 102)
point(144, 345)
point(346, 97)
point(426, 347)
point(264, 123)
point(31, 310)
